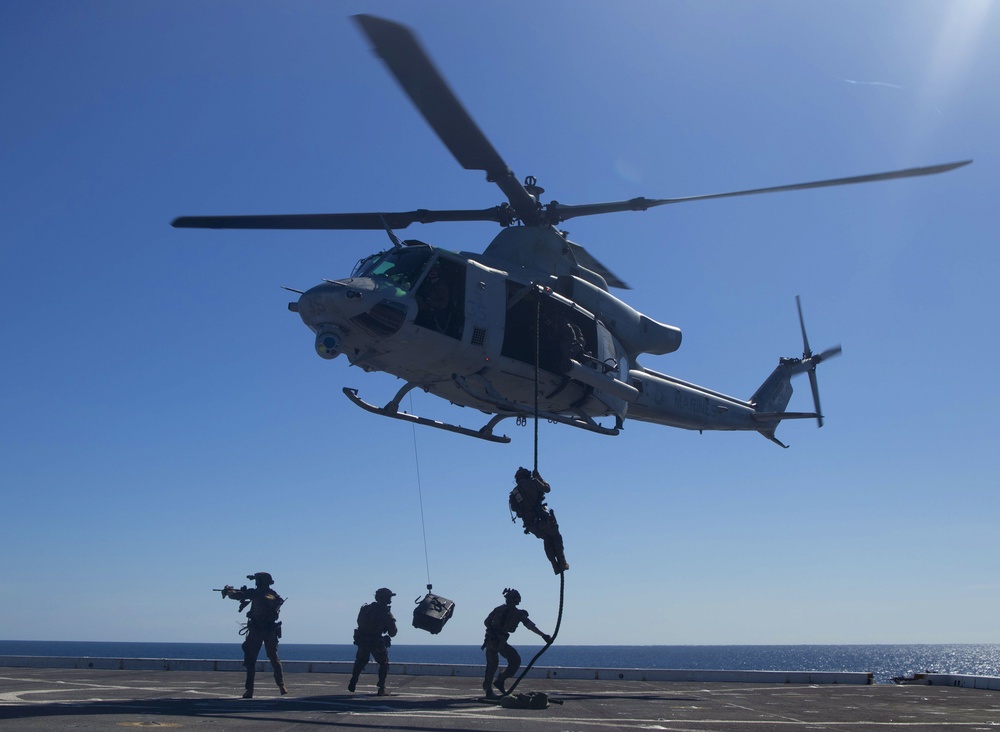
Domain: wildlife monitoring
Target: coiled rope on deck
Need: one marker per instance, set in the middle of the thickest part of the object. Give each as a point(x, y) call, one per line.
point(555, 632)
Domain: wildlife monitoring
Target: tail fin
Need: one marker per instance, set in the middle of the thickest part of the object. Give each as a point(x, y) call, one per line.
point(774, 394)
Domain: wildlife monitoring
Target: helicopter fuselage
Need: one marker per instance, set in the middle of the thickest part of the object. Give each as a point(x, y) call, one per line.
point(514, 341)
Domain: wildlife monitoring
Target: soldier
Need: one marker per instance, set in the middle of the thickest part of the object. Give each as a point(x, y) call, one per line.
point(376, 626)
point(262, 626)
point(527, 500)
point(500, 623)
point(433, 300)
point(564, 341)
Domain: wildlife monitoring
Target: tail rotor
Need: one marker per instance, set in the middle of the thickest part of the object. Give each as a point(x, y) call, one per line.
point(811, 361)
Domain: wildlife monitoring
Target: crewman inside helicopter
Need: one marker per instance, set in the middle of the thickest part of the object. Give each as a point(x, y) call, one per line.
point(398, 267)
point(564, 339)
point(434, 301)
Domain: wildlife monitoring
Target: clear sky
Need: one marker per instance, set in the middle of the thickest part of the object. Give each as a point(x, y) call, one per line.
point(166, 428)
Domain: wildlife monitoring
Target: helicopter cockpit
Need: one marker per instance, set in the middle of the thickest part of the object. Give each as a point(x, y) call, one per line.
point(400, 266)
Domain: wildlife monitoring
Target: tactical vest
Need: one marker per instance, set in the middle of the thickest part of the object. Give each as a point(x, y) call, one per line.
point(265, 608)
point(505, 619)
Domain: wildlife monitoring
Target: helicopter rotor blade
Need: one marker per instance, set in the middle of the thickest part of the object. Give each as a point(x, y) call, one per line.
point(556, 212)
point(815, 390)
point(811, 361)
point(814, 361)
point(399, 48)
point(357, 221)
point(806, 352)
point(828, 353)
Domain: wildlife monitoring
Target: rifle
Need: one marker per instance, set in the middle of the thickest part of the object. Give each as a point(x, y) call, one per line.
point(229, 589)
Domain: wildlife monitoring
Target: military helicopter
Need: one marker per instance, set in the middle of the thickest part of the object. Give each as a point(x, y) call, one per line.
point(527, 328)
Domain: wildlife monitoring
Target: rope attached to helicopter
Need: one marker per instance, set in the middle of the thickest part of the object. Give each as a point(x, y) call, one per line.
point(420, 498)
point(432, 611)
point(538, 328)
point(526, 501)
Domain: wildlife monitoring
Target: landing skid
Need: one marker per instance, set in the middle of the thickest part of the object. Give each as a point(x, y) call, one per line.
point(583, 420)
point(392, 410)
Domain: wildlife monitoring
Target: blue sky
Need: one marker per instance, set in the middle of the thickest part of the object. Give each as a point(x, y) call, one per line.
point(166, 428)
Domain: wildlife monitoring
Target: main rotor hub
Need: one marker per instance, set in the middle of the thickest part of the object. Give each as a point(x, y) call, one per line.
point(532, 187)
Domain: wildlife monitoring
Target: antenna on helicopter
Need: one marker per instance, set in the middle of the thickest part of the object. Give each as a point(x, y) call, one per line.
point(396, 241)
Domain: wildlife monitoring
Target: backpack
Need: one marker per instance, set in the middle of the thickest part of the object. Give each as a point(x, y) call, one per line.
point(371, 620)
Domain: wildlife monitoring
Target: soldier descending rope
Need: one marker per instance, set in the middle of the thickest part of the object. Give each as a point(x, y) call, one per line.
point(527, 501)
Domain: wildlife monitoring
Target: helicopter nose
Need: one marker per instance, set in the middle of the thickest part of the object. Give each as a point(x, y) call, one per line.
point(333, 302)
point(328, 342)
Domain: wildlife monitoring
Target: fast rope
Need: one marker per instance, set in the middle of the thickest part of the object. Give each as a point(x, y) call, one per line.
point(538, 348)
point(562, 575)
point(555, 632)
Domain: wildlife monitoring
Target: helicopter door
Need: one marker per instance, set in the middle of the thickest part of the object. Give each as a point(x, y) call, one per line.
point(613, 361)
point(485, 306)
point(440, 298)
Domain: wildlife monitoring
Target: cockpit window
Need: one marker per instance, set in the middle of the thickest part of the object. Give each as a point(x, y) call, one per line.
point(400, 267)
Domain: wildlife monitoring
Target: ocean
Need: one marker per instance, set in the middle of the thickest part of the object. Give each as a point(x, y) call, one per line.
point(885, 661)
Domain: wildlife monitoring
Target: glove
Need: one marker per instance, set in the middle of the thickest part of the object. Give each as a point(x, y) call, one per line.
point(225, 590)
point(548, 638)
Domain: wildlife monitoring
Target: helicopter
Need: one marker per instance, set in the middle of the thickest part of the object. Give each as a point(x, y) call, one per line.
point(528, 327)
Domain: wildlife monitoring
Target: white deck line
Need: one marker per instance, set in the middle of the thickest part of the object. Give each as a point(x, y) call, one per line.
point(464, 670)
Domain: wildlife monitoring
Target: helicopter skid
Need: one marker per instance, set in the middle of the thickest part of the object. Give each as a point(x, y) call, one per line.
point(391, 410)
point(582, 419)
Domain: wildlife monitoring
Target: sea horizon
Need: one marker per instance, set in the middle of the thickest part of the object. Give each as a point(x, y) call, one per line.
point(885, 661)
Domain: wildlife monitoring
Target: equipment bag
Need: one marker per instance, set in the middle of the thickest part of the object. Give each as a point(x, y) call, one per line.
point(432, 613)
point(531, 700)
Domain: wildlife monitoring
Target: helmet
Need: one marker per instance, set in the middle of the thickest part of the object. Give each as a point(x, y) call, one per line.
point(384, 594)
point(522, 474)
point(264, 577)
point(512, 596)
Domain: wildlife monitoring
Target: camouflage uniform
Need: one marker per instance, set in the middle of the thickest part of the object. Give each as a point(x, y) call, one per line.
point(262, 628)
point(527, 500)
point(376, 626)
point(500, 623)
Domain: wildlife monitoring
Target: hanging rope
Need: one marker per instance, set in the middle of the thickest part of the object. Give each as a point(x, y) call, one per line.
point(562, 575)
point(538, 328)
point(562, 587)
point(420, 496)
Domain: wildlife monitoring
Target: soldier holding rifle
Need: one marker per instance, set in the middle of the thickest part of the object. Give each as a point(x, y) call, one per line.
point(262, 626)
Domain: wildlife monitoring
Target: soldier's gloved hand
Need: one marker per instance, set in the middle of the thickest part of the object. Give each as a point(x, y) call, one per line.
point(226, 589)
point(548, 638)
